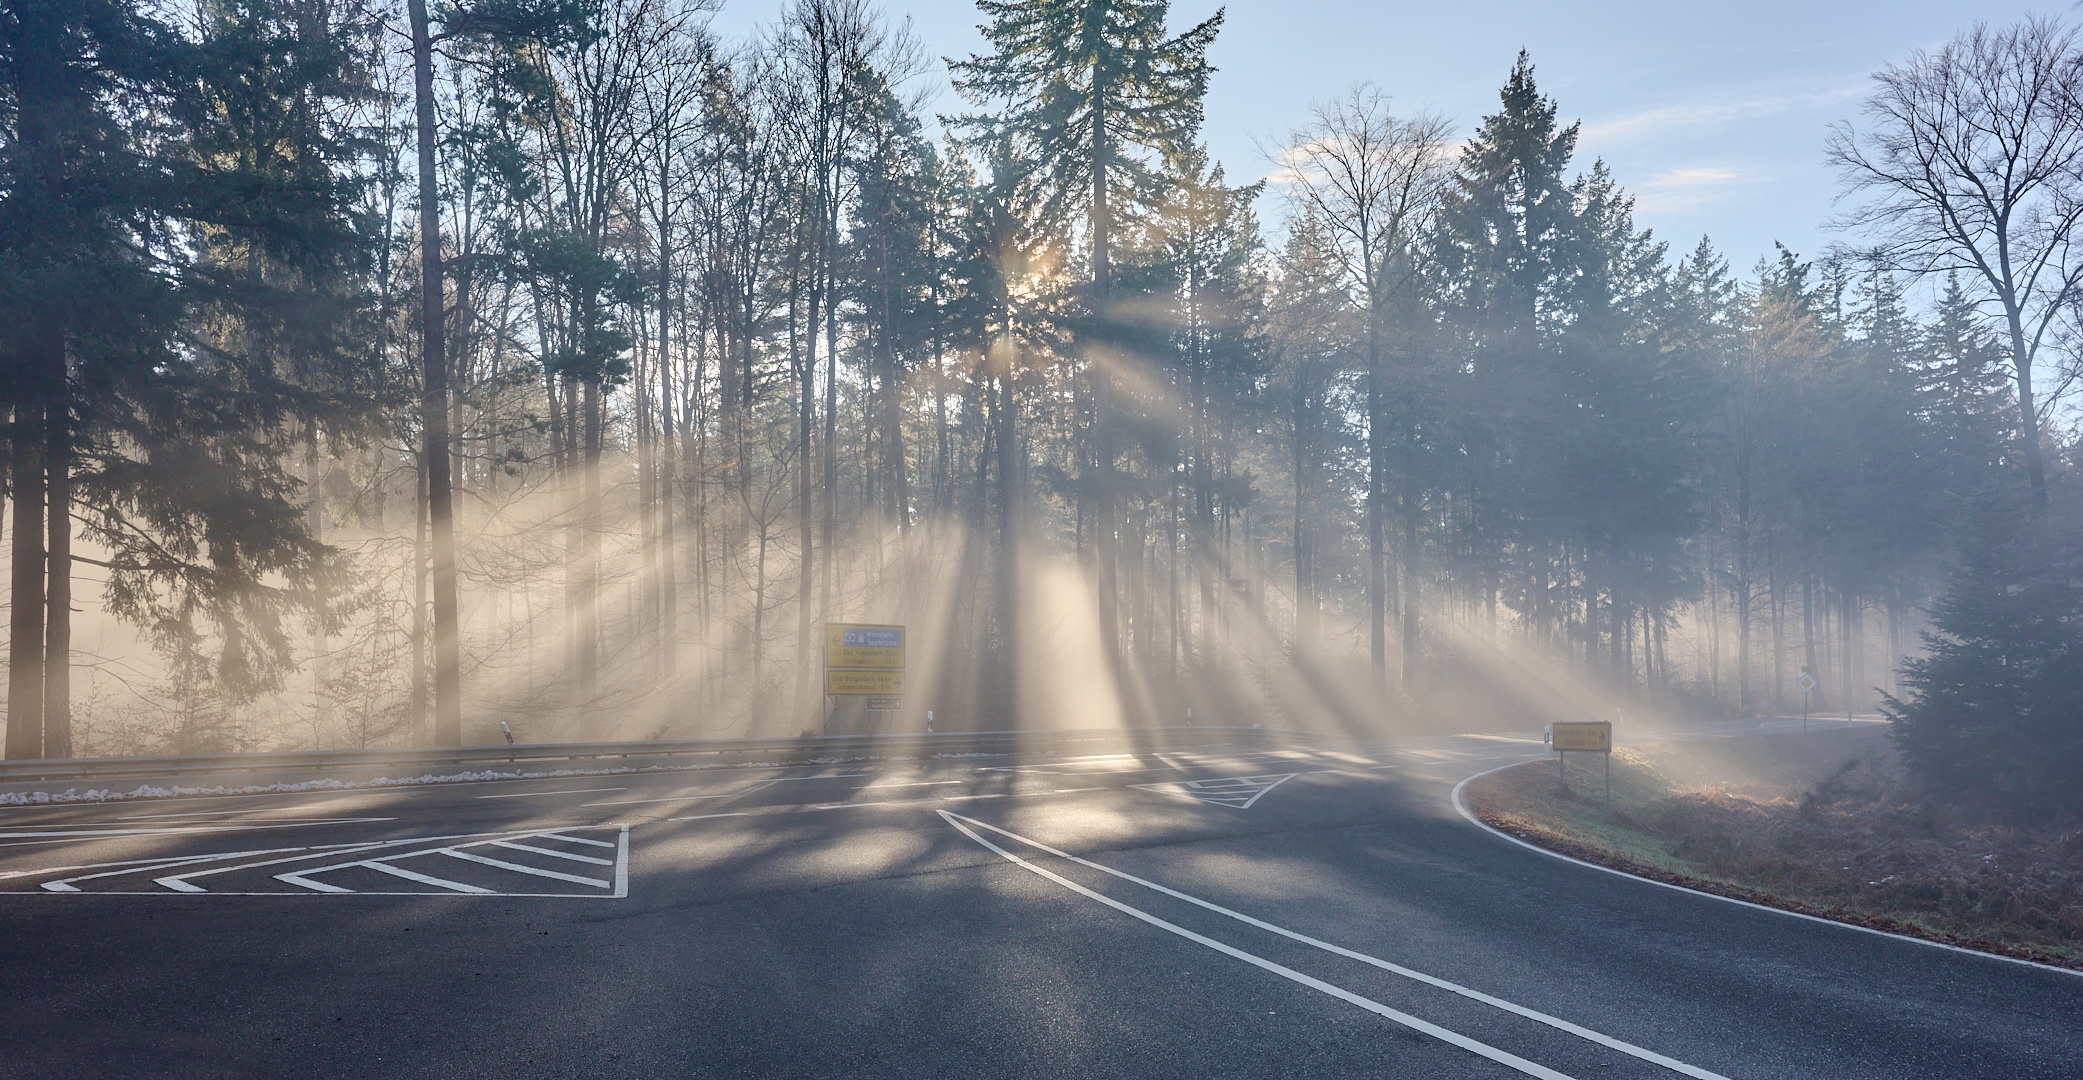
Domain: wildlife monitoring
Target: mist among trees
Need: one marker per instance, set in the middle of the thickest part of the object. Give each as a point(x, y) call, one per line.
point(379, 375)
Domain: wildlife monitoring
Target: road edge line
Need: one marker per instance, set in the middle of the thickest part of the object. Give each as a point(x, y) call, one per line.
point(1444, 1034)
point(1461, 807)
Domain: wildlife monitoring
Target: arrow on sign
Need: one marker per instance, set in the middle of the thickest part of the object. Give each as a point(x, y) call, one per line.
point(1236, 791)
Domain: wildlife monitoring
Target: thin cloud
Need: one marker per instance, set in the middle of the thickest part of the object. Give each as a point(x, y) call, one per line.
point(1686, 188)
point(1721, 109)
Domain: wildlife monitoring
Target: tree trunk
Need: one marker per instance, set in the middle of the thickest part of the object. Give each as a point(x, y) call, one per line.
point(25, 616)
point(448, 685)
point(589, 525)
point(57, 642)
point(1104, 525)
point(1009, 501)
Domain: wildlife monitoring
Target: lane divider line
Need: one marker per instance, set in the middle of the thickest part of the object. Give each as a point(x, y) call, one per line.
point(560, 791)
point(1515, 1009)
point(1451, 1038)
point(1461, 805)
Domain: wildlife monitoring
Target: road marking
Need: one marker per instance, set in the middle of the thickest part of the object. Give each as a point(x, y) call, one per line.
point(1232, 791)
point(518, 868)
point(566, 791)
point(827, 776)
point(179, 882)
point(192, 814)
point(85, 833)
point(379, 855)
point(1556, 1022)
point(577, 839)
point(553, 854)
point(705, 817)
point(914, 783)
point(153, 863)
point(677, 798)
point(387, 864)
point(1452, 1038)
point(424, 879)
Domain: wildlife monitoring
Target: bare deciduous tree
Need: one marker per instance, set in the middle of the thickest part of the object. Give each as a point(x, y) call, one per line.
point(1974, 164)
point(1373, 179)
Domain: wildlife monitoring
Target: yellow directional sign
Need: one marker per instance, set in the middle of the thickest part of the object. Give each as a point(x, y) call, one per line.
point(841, 683)
point(860, 645)
point(1596, 736)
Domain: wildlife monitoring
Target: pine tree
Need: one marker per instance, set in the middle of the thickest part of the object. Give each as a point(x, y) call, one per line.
point(1089, 89)
point(1991, 717)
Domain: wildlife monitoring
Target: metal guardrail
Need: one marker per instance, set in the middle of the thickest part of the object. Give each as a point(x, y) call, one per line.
point(799, 747)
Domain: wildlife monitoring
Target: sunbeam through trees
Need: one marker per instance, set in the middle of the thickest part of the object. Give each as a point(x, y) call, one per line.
point(379, 376)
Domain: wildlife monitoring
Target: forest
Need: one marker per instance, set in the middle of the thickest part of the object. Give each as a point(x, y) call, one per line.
point(378, 376)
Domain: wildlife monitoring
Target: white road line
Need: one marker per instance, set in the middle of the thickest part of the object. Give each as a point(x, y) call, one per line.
point(1558, 1023)
point(679, 798)
point(705, 817)
point(1461, 805)
point(621, 863)
point(576, 839)
point(565, 791)
point(152, 864)
point(518, 868)
point(1377, 767)
point(66, 884)
point(424, 879)
point(553, 854)
point(191, 814)
point(827, 776)
point(297, 878)
point(98, 834)
point(1452, 1038)
point(321, 853)
point(301, 878)
point(915, 783)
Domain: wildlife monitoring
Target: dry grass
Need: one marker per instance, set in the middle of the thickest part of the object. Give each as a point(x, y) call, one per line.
point(1824, 823)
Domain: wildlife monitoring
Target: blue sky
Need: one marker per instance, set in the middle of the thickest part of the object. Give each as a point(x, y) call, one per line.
point(1712, 115)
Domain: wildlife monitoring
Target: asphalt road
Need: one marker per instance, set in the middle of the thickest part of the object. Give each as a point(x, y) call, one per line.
point(1273, 911)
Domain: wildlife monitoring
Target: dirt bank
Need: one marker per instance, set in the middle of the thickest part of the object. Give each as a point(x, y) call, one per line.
point(1823, 824)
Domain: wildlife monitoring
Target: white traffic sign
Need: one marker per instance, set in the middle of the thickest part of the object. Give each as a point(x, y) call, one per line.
point(1806, 682)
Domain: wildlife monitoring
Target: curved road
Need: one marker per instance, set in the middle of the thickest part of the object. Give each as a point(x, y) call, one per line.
point(1305, 910)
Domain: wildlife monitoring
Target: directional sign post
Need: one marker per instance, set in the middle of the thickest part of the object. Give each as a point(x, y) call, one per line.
point(1595, 737)
point(865, 660)
point(1807, 685)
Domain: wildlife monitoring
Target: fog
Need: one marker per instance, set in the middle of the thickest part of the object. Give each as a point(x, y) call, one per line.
point(702, 345)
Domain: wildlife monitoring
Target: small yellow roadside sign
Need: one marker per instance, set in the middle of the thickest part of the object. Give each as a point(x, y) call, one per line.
point(842, 683)
point(1596, 737)
point(858, 645)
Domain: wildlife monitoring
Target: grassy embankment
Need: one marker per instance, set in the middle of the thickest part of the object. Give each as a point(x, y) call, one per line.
point(1822, 823)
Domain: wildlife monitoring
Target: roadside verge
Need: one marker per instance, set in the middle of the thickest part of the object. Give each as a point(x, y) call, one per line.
point(1619, 844)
